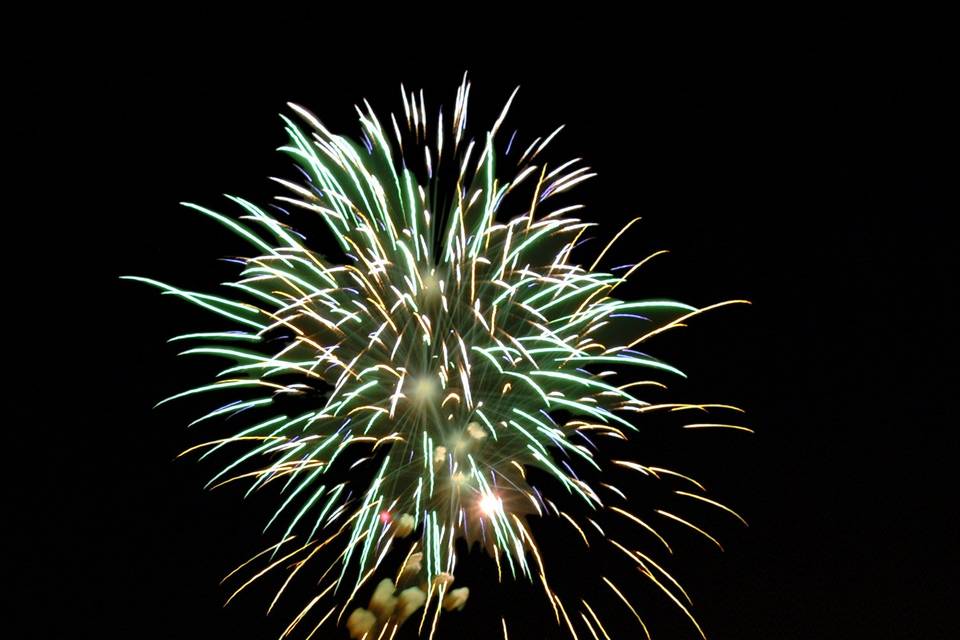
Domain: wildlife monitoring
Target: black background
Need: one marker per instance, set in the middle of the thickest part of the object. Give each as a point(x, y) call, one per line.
point(808, 178)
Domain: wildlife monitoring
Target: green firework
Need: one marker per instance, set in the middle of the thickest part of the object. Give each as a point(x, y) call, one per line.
point(451, 346)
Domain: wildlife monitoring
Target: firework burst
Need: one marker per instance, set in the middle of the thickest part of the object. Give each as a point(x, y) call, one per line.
point(453, 346)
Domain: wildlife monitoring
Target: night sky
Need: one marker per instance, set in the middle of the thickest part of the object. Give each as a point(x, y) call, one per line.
point(810, 179)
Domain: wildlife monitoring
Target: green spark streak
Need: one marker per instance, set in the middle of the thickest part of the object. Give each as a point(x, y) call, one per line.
point(332, 500)
point(367, 501)
point(203, 300)
point(231, 408)
point(237, 228)
point(643, 362)
point(264, 447)
point(221, 336)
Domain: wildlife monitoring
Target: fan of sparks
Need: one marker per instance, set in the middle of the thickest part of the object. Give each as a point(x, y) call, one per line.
point(452, 346)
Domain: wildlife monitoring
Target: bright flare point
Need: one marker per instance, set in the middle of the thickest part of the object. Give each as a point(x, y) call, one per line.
point(490, 504)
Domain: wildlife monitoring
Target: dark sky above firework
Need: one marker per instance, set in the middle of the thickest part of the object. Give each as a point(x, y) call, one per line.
point(809, 185)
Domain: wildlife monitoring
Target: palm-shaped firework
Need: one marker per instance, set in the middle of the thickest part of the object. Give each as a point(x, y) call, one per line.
point(450, 348)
